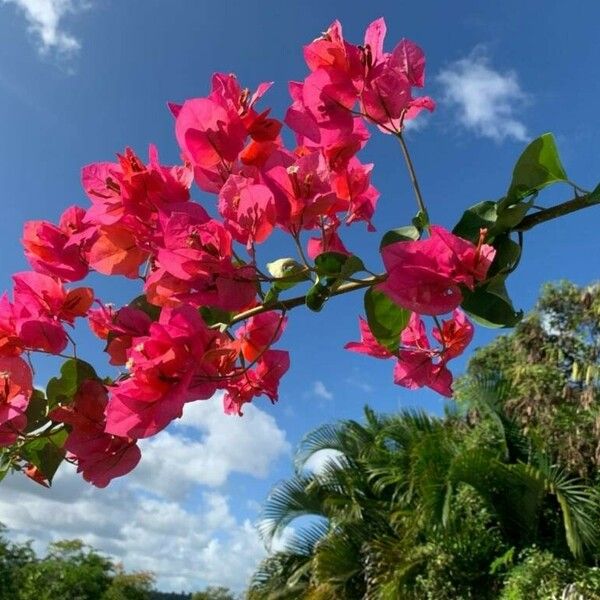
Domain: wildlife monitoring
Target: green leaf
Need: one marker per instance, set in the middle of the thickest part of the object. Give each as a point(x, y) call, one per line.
point(46, 453)
point(272, 295)
point(5, 462)
point(37, 411)
point(420, 221)
point(409, 233)
point(141, 303)
point(386, 319)
point(60, 390)
point(338, 266)
point(481, 215)
point(316, 296)
point(508, 253)
point(490, 304)
point(215, 316)
point(329, 264)
point(537, 167)
point(510, 216)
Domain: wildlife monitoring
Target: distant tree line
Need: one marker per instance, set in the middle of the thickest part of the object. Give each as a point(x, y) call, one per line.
point(71, 570)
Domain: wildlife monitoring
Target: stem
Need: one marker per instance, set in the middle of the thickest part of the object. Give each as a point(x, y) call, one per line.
point(548, 214)
point(413, 176)
point(298, 244)
point(299, 300)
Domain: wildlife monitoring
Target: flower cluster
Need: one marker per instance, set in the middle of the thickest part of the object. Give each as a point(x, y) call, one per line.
point(203, 322)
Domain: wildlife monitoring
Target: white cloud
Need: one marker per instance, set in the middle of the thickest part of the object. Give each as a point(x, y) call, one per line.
point(175, 461)
point(487, 100)
point(319, 460)
point(44, 21)
point(321, 391)
point(159, 518)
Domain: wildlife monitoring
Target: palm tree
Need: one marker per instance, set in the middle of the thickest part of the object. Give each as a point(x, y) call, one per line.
point(404, 490)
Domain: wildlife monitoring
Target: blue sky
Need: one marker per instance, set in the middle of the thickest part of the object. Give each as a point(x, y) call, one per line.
point(81, 80)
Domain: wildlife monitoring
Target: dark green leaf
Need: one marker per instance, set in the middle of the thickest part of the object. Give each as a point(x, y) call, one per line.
point(272, 294)
point(46, 453)
point(386, 319)
point(73, 373)
point(214, 316)
point(420, 221)
point(36, 412)
point(337, 266)
point(537, 167)
point(479, 216)
point(508, 253)
point(5, 462)
point(490, 304)
point(141, 303)
point(316, 296)
point(329, 264)
point(409, 233)
point(510, 216)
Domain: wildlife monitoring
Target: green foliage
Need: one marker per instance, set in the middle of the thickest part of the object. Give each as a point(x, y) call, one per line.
point(386, 319)
point(498, 499)
point(214, 593)
point(73, 372)
point(542, 576)
point(71, 570)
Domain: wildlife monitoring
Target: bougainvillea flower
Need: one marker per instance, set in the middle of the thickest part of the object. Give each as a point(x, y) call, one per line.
point(263, 379)
point(100, 456)
point(455, 335)
point(353, 184)
point(40, 304)
point(10, 344)
point(329, 241)
point(114, 251)
point(260, 332)
point(415, 367)
point(167, 369)
point(118, 327)
point(368, 343)
point(51, 249)
point(303, 192)
point(193, 245)
point(248, 210)
point(16, 385)
point(424, 275)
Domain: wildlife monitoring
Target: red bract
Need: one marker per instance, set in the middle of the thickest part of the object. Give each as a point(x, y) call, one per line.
point(303, 192)
point(16, 385)
point(419, 364)
point(425, 276)
point(100, 457)
point(118, 328)
point(41, 304)
point(368, 343)
point(57, 250)
point(263, 379)
point(415, 367)
point(455, 335)
point(329, 241)
point(248, 210)
point(168, 368)
point(259, 333)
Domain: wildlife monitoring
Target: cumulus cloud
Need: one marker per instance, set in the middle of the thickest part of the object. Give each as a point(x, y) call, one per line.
point(207, 446)
point(321, 391)
point(319, 460)
point(44, 22)
point(162, 518)
point(486, 100)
